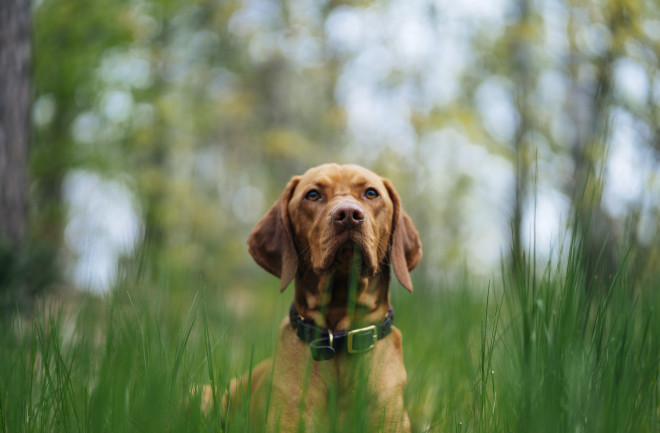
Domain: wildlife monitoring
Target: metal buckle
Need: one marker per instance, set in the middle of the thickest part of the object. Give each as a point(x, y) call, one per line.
point(349, 343)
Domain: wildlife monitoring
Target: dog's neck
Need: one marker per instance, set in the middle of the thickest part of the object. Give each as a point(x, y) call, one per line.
point(341, 301)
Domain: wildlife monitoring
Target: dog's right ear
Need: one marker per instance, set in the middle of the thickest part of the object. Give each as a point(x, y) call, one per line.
point(271, 241)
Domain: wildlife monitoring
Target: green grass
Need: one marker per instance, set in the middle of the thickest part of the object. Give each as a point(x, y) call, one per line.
point(524, 353)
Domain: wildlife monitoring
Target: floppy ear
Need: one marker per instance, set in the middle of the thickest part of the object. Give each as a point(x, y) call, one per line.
point(271, 241)
point(406, 247)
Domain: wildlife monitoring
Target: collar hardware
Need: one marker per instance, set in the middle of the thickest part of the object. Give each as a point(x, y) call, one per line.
point(325, 343)
point(366, 334)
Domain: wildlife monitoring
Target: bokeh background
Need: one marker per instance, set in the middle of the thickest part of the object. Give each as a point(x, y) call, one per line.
point(140, 141)
point(162, 130)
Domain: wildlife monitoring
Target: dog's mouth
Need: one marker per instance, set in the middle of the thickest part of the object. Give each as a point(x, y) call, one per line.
point(347, 254)
point(348, 257)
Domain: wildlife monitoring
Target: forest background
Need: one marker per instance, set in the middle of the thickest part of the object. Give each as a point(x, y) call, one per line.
point(179, 123)
point(142, 140)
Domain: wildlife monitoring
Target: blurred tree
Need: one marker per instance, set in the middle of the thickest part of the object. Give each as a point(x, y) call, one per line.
point(522, 65)
point(600, 37)
point(14, 132)
point(240, 116)
point(633, 26)
point(591, 106)
point(205, 109)
point(69, 40)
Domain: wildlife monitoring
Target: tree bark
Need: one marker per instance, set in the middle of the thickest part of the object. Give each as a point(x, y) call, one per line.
point(15, 56)
point(522, 74)
point(590, 106)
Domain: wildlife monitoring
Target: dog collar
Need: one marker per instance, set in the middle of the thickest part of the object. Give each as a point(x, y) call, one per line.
point(324, 343)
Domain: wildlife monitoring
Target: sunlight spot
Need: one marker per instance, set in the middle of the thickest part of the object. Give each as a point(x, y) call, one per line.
point(248, 203)
point(117, 105)
point(631, 80)
point(344, 29)
point(627, 166)
point(103, 225)
point(86, 127)
point(497, 109)
point(544, 221)
point(43, 110)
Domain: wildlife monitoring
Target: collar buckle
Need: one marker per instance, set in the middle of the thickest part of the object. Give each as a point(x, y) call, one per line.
point(362, 340)
point(325, 343)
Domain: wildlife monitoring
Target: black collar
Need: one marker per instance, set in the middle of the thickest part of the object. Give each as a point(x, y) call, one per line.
point(325, 342)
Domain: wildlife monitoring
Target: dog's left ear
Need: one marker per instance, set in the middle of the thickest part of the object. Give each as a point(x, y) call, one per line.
point(271, 242)
point(406, 247)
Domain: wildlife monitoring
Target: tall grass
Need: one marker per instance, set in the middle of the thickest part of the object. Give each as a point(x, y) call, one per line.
point(576, 356)
point(524, 353)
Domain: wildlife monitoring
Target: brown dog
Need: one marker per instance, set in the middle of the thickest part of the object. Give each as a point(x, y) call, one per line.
point(334, 231)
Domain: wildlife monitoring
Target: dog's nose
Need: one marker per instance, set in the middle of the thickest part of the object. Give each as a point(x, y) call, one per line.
point(347, 215)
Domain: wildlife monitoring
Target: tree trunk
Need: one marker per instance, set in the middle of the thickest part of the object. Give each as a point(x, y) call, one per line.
point(14, 138)
point(590, 106)
point(14, 118)
point(522, 73)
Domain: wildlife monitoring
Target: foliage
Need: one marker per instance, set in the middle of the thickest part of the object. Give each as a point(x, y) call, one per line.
point(204, 110)
point(539, 354)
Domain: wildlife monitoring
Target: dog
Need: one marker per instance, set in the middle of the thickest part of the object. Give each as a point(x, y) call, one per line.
point(334, 232)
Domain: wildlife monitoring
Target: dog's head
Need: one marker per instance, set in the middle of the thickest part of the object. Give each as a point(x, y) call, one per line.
point(326, 215)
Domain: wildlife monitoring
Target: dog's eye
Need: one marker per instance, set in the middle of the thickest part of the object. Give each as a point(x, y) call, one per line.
point(371, 193)
point(313, 195)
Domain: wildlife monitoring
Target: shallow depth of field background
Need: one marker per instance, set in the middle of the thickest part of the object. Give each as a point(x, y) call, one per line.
point(180, 123)
point(521, 135)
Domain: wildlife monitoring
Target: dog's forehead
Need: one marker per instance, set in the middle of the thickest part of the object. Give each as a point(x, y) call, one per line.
point(341, 175)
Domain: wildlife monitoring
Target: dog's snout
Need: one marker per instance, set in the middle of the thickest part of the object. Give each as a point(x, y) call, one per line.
point(347, 215)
